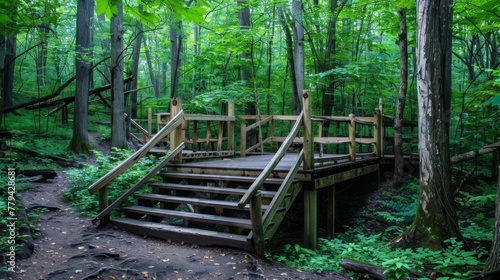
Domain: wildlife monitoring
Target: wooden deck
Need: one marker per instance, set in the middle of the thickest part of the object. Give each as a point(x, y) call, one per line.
point(215, 193)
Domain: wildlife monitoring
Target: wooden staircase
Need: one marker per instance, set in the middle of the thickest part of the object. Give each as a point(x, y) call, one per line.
point(200, 206)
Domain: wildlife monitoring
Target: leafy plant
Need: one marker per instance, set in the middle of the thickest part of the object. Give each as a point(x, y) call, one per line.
point(78, 194)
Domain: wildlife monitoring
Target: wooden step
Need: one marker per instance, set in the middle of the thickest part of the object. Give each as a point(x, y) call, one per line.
point(195, 201)
point(190, 216)
point(216, 177)
point(207, 189)
point(182, 234)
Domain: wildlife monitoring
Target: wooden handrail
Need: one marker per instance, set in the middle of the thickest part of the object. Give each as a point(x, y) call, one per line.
point(137, 185)
point(283, 190)
point(272, 164)
point(122, 167)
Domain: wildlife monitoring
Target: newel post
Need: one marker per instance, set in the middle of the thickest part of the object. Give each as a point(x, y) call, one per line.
point(308, 132)
point(310, 193)
point(176, 135)
point(377, 133)
point(230, 127)
point(103, 204)
point(352, 137)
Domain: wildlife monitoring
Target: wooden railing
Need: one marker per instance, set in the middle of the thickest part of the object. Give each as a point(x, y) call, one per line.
point(266, 127)
point(252, 195)
point(101, 184)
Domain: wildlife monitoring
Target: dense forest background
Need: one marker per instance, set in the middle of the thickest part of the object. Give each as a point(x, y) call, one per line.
point(260, 55)
point(211, 53)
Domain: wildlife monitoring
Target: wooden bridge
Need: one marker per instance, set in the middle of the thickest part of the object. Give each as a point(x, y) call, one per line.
point(213, 194)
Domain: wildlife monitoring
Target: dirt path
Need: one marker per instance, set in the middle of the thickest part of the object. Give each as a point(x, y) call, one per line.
point(70, 247)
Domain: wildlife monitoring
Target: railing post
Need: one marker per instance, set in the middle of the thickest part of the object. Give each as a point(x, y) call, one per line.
point(243, 141)
point(377, 133)
point(176, 135)
point(103, 204)
point(230, 127)
point(257, 227)
point(381, 133)
point(308, 132)
point(352, 137)
point(150, 122)
point(311, 194)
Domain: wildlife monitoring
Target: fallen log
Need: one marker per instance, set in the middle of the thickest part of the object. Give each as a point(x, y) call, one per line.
point(64, 162)
point(373, 271)
point(47, 173)
point(472, 154)
point(492, 274)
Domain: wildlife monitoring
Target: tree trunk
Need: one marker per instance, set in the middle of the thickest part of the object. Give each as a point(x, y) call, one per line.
point(494, 257)
point(245, 68)
point(118, 135)
point(435, 220)
point(298, 32)
point(289, 51)
point(175, 57)
point(80, 142)
point(8, 74)
point(135, 66)
point(403, 85)
point(154, 80)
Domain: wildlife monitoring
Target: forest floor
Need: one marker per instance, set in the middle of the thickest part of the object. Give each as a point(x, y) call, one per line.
point(68, 246)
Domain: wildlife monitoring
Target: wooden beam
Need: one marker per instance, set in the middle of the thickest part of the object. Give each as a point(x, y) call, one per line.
point(344, 176)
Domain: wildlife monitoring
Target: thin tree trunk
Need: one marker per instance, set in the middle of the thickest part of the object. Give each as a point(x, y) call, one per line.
point(175, 57)
point(435, 220)
point(403, 85)
point(298, 29)
point(118, 135)
point(80, 142)
point(8, 74)
point(494, 257)
point(135, 66)
point(150, 67)
point(289, 51)
point(245, 68)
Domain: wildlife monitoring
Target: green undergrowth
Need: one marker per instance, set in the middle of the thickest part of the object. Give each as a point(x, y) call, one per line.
point(80, 179)
point(366, 239)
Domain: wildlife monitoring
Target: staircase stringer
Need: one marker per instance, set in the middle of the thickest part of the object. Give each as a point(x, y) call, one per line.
point(282, 201)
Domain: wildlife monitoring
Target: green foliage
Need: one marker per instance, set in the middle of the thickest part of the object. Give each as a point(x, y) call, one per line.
point(453, 263)
point(78, 194)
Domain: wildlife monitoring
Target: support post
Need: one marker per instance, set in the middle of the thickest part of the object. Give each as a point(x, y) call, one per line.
point(243, 141)
point(308, 132)
point(382, 129)
point(150, 122)
point(230, 127)
point(310, 216)
point(310, 195)
point(331, 211)
point(195, 136)
point(103, 204)
point(258, 230)
point(352, 137)
point(377, 133)
point(176, 135)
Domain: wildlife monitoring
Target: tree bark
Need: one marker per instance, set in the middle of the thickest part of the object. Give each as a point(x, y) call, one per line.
point(135, 66)
point(154, 80)
point(494, 257)
point(118, 135)
point(8, 74)
point(175, 57)
point(403, 85)
point(80, 142)
point(435, 220)
point(298, 32)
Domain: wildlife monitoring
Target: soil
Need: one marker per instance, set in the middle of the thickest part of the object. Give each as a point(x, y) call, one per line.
point(68, 246)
